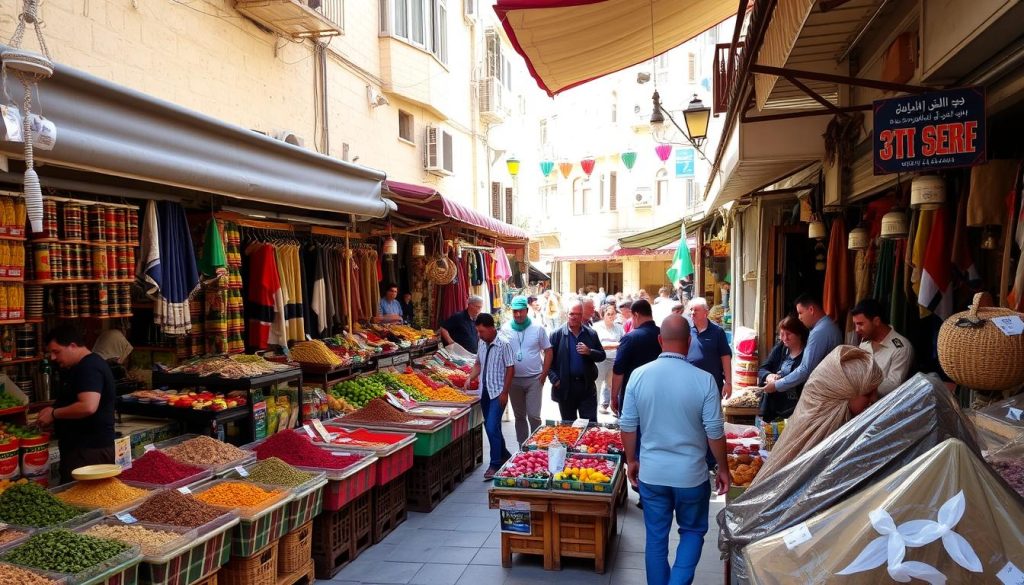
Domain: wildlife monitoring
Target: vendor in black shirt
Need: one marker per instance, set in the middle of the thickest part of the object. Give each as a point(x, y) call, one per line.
point(461, 327)
point(83, 413)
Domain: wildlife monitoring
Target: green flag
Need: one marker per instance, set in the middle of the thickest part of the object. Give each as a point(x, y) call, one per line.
point(682, 264)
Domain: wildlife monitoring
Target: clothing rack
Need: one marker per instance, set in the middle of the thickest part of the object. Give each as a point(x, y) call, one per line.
point(466, 246)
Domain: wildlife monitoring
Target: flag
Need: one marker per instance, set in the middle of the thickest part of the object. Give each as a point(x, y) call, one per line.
point(965, 270)
point(936, 292)
point(682, 264)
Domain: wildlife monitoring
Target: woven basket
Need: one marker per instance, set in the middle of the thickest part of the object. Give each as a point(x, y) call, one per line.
point(976, 354)
point(441, 270)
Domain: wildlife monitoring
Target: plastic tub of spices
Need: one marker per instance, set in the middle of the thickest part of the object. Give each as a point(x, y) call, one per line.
point(308, 500)
point(12, 536)
point(205, 452)
point(394, 451)
point(30, 504)
point(41, 552)
point(155, 469)
point(260, 523)
point(109, 495)
point(26, 576)
point(154, 540)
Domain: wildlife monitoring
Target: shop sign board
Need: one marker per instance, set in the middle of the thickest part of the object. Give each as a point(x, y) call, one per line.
point(684, 163)
point(516, 517)
point(930, 131)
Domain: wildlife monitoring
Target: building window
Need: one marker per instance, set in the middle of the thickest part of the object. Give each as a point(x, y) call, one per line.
point(509, 203)
point(406, 126)
point(547, 199)
point(543, 132)
point(661, 187)
point(496, 200)
point(577, 197)
point(689, 194)
point(691, 67)
point(423, 23)
point(613, 191)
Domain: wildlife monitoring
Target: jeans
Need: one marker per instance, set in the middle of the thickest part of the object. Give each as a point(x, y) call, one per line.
point(604, 380)
point(492, 426)
point(526, 395)
point(690, 506)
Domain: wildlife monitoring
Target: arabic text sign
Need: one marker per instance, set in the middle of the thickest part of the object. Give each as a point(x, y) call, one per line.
point(930, 131)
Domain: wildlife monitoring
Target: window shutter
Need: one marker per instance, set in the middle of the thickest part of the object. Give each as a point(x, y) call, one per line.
point(496, 200)
point(613, 191)
point(508, 204)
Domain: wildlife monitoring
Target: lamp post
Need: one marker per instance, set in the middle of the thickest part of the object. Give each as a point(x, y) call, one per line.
point(696, 117)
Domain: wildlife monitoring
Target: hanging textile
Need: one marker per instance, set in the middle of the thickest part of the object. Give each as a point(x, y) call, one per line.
point(964, 269)
point(167, 266)
point(502, 268)
point(316, 291)
point(990, 183)
point(213, 260)
point(1015, 199)
point(922, 231)
point(936, 291)
point(885, 272)
point(836, 297)
point(236, 298)
point(898, 300)
point(476, 279)
point(264, 299)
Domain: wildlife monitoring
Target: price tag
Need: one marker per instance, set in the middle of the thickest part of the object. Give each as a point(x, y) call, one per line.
point(340, 453)
point(343, 440)
point(127, 518)
point(149, 447)
point(185, 490)
point(400, 359)
point(404, 395)
point(1011, 575)
point(1011, 325)
point(309, 431)
point(241, 471)
point(321, 430)
point(581, 423)
point(1014, 413)
point(796, 536)
point(397, 403)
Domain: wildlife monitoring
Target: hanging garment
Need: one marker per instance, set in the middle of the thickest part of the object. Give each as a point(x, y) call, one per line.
point(990, 183)
point(922, 231)
point(898, 299)
point(936, 292)
point(884, 273)
point(964, 269)
point(317, 292)
point(213, 262)
point(502, 269)
point(167, 268)
point(473, 268)
point(265, 300)
point(836, 297)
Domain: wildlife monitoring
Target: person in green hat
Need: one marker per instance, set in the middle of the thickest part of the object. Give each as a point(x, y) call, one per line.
point(532, 351)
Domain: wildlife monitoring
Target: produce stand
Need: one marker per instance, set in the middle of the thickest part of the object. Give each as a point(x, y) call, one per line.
point(258, 525)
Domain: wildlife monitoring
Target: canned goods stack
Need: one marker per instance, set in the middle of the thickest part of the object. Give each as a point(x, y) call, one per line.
point(12, 301)
point(12, 216)
point(12, 259)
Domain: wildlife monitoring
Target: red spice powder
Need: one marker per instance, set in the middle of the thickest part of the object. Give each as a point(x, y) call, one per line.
point(298, 450)
point(156, 468)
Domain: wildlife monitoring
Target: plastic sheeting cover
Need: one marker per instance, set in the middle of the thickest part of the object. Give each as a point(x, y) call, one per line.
point(944, 517)
point(894, 431)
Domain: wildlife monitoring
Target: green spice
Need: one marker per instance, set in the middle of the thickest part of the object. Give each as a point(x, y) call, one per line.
point(63, 551)
point(273, 471)
point(29, 504)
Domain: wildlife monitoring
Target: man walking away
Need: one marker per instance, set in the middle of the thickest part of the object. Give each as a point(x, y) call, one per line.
point(576, 352)
point(678, 408)
point(495, 367)
point(532, 352)
point(638, 347)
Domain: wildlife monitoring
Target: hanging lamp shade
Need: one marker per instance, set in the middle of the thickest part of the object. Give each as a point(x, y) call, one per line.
point(629, 159)
point(566, 168)
point(858, 239)
point(664, 151)
point(546, 166)
point(816, 229)
point(390, 247)
point(927, 192)
point(419, 250)
point(894, 225)
point(587, 164)
point(512, 164)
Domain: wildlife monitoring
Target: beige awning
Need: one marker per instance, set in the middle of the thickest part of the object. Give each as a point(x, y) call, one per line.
point(569, 42)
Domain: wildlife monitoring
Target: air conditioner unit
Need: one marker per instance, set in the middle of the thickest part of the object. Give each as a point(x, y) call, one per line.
point(491, 94)
point(290, 137)
point(437, 152)
point(643, 199)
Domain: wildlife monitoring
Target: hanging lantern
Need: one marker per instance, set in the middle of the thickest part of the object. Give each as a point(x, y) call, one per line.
point(419, 250)
point(390, 246)
point(664, 151)
point(858, 239)
point(566, 168)
point(927, 192)
point(816, 229)
point(546, 166)
point(512, 164)
point(629, 159)
point(894, 225)
point(587, 164)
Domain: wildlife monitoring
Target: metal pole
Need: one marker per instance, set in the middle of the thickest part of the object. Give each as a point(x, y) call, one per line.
point(348, 273)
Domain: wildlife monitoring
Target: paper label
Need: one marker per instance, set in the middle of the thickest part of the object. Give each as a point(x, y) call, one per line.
point(185, 490)
point(309, 431)
point(321, 430)
point(796, 536)
point(404, 395)
point(397, 403)
point(1014, 413)
point(123, 452)
point(340, 453)
point(12, 124)
point(241, 471)
point(149, 448)
point(44, 132)
point(1011, 575)
point(400, 359)
point(127, 518)
point(516, 517)
point(1011, 325)
point(581, 423)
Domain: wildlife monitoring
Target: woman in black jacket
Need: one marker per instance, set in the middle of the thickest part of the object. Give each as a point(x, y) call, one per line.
point(783, 359)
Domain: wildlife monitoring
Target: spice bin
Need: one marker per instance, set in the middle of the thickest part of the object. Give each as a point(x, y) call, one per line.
point(218, 470)
point(121, 569)
point(308, 497)
point(258, 525)
point(113, 509)
point(189, 481)
point(16, 536)
point(394, 451)
point(432, 435)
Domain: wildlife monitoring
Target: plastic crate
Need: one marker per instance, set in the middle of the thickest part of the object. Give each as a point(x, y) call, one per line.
point(295, 549)
point(340, 536)
point(259, 568)
point(476, 415)
point(308, 500)
point(389, 508)
point(348, 484)
point(425, 483)
point(528, 483)
point(428, 444)
point(393, 459)
point(258, 525)
point(478, 445)
point(576, 447)
point(121, 569)
point(580, 486)
point(453, 473)
point(530, 443)
point(196, 562)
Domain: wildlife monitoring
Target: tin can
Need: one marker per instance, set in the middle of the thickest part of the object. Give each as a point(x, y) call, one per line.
point(110, 221)
point(97, 224)
point(132, 226)
point(99, 263)
point(84, 304)
point(57, 261)
point(50, 218)
point(41, 261)
point(69, 302)
point(120, 229)
point(103, 300)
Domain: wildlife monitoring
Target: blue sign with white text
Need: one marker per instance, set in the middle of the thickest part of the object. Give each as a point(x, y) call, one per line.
point(684, 162)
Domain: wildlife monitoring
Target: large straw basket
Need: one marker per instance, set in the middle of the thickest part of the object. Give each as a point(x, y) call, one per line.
point(976, 354)
point(441, 270)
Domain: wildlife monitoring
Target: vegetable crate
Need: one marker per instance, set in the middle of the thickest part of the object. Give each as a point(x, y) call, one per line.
point(340, 536)
point(568, 435)
point(476, 415)
point(460, 424)
point(257, 569)
point(354, 481)
point(428, 444)
point(425, 483)
point(389, 508)
point(295, 549)
point(453, 473)
point(198, 562)
point(467, 455)
point(582, 486)
point(478, 446)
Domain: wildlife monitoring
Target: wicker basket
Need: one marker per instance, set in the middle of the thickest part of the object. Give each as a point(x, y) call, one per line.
point(295, 549)
point(441, 270)
point(976, 354)
point(259, 569)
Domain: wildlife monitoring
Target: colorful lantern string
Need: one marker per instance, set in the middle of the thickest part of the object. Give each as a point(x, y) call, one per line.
point(566, 168)
point(587, 165)
point(664, 151)
point(629, 159)
point(546, 166)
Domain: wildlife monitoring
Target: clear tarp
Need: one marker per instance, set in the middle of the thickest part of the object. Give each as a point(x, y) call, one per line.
point(894, 431)
point(943, 518)
point(1000, 422)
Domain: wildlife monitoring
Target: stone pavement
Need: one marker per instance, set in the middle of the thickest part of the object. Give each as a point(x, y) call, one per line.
point(459, 543)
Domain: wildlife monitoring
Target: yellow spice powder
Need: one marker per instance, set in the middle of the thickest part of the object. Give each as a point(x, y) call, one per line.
point(101, 493)
point(235, 494)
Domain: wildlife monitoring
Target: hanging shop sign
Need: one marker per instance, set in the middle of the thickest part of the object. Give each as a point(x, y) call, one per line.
point(929, 131)
point(684, 163)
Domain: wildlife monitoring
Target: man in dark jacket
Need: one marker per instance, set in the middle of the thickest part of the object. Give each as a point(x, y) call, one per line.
point(575, 352)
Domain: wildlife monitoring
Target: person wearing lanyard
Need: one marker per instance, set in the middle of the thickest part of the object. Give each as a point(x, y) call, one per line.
point(532, 352)
point(495, 367)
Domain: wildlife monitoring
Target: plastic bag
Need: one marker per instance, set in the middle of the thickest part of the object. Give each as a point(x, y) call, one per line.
point(1000, 423)
point(900, 427)
point(942, 518)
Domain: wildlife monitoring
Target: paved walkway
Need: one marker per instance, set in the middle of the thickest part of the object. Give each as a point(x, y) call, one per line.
point(459, 543)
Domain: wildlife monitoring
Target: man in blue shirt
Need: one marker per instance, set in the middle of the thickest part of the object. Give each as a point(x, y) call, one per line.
point(461, 327)
point(678, 408)
point(825, 336)
point(575, 352)
point(638, 347)
point(390, 308)
point(709, 348)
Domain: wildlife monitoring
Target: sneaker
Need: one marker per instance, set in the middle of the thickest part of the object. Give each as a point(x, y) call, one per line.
point(604, 409)
point(489, 474)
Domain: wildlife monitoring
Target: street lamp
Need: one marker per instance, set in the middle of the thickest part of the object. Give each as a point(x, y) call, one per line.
point(512, 163)
point(696, 116)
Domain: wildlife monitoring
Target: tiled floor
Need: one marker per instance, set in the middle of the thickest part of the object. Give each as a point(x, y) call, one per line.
point(459, 543)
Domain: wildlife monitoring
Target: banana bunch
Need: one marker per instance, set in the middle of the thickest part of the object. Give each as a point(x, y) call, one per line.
point(315, 352)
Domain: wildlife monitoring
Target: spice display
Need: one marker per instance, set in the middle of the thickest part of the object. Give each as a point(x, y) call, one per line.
point(176, 509)
point(414, 387)
point(745, 398)
point(9, 535)
point(544, 435)
point(298, 450)
point(233, 494)
point(150, 540)
point(315, 352)
point(101, 493)
point(155, 467)
point(11, 575)
point(63, 551)
point(600, 440)
point(1012, 470)
point(204, 450)
point(361, 438)
point(378, 410)
point(232, 367)
point(28, 504)
point(273, 471)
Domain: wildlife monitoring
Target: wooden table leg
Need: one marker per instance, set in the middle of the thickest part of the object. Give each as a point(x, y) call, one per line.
point(600, 543)
point(506, 551)
point(553, 528)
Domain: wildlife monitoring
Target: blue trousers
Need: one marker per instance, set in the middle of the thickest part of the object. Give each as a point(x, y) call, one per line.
point(492, 426)
point(690, 508)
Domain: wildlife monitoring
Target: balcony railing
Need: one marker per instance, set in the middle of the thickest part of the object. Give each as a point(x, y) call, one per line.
point(726, 62)
point(297, 18)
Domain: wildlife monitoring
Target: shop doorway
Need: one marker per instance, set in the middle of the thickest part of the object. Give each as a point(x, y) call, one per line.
point(792, 256)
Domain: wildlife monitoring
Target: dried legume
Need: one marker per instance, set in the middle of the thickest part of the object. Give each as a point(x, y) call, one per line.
point(298, 450)
point(205, 451)
point(11, 575)
point(101, 493)
point(234, 494)
point(30, 505)
point(273, 471)
point(176, 509)
point(9, 535)
point(157, 468)
point(63, 551)
point(151, 541)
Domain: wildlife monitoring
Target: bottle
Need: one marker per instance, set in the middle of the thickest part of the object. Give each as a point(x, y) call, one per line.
point(556, 456)
point(44, 381)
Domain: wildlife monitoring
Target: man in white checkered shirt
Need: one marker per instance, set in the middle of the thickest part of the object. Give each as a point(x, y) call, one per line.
point(495, 366)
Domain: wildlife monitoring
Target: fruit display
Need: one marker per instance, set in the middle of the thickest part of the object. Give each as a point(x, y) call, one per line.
point(8, 429)
point(600, 440)
point(743, 468)
point(349, 348)
point(587, 470)
point(8, 400)
point(527, 469)
point(233, 367)
point(410, 333)
point(340, 405)
point(376, 339)
point(543, 436)
point(744, 441)
point(315, 352)
point(210, 401)
point(412, 384)
point(359, 391)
